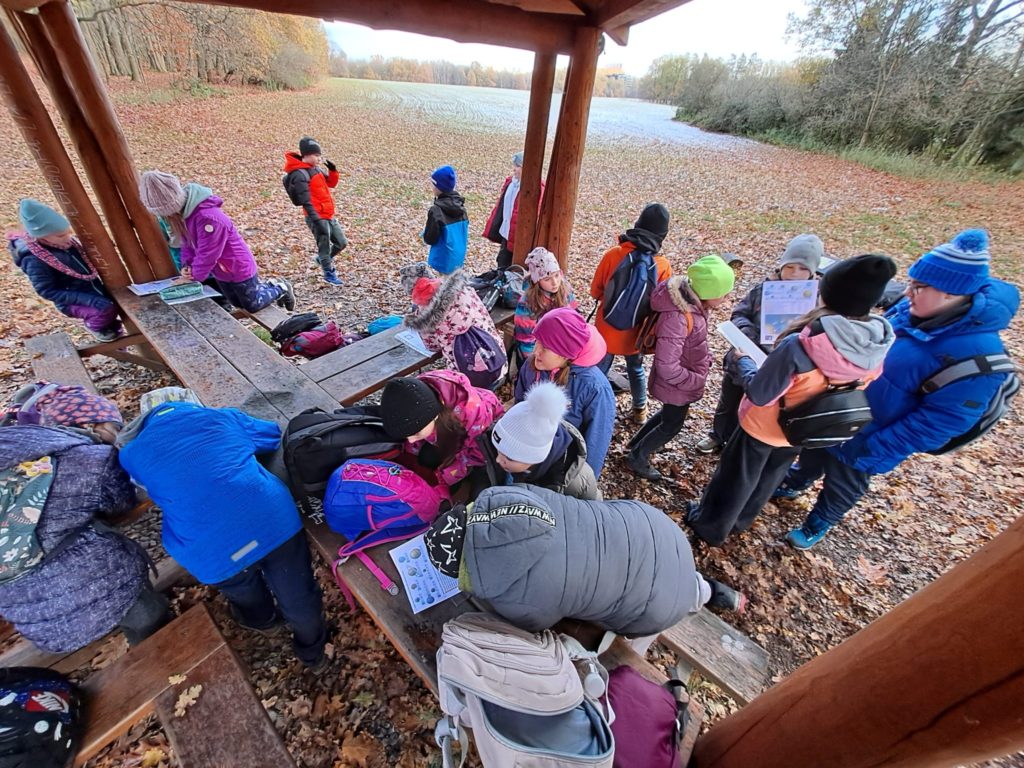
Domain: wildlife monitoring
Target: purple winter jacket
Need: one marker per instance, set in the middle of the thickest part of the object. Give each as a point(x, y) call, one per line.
point(214, 246)
point(681, 359)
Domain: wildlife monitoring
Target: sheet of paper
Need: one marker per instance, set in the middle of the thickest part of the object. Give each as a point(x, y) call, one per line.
point(424, 584)
point(208, 293)
point(782, 302)
point(148, 289)
point(735, 337)
point(413, 340)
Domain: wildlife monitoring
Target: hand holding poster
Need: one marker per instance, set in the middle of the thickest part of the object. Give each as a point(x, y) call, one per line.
point(782, 302)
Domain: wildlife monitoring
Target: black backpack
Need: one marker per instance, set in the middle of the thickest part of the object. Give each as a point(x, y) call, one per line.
point(40, 718)
point(829, 418)
point(980, 365)
point(316, 443)
point(627, 296)
point(295, 325)
point(307, 172)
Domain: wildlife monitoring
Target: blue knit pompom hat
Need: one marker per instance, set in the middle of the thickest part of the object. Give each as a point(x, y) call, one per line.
point(959, 267)
point(39, 219)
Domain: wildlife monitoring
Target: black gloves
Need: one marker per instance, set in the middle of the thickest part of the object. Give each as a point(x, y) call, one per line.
point(330, 166)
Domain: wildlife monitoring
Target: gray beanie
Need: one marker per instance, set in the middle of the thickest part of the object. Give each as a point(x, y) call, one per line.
point(804, 250)
point(411, 273)
point(161, 193)
point(517, 159)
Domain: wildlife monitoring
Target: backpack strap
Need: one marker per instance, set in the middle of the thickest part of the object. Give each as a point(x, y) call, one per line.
point(979, 365)
point(382, 578)
point(447, 730)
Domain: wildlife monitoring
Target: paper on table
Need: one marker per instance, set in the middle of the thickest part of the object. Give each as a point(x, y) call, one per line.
point(413, 340)
point(735, 337)
point(424, 584)
point(147, 289)
point(208, 293)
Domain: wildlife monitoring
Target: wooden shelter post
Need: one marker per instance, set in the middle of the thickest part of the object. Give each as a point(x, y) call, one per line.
point(32, 35)
point(68, 42)
point(937, 681)
point(541, 87)
point(41, 138)
point(559, 206)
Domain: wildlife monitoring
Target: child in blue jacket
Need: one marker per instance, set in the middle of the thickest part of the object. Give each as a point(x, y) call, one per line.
point(953, 310)
point(227, 520)
point(447, 229)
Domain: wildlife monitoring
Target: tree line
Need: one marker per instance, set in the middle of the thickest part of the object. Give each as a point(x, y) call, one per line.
point(205, 44)
point(940, 78)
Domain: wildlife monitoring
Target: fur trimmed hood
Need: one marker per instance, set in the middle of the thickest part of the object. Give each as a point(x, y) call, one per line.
point(430, 315)
point(676, 294)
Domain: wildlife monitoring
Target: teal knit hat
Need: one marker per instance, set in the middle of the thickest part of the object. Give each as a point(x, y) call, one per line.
point(959, 268)
point(710, 277)
point(40, 220)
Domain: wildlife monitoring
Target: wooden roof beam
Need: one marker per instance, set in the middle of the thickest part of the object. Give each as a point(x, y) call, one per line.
point(615, 14)
point(465, 21)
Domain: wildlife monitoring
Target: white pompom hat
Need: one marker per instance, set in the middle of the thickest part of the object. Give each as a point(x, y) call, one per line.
point(525, 433)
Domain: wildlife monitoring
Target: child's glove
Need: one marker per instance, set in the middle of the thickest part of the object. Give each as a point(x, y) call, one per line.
point(330, 166)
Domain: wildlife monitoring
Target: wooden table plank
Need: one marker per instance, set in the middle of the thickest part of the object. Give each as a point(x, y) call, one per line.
point(195, 362)
point(354, 354)
point(353, 385)
point(227, 725)
point(124, 693)
point(269, 317)
point(284, 385)
point(54, 358)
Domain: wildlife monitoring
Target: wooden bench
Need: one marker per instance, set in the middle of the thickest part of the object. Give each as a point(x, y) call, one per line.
point(227, 724)
point(55, 358)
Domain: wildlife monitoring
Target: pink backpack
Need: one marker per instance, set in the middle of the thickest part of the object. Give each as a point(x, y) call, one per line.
point(314, 342)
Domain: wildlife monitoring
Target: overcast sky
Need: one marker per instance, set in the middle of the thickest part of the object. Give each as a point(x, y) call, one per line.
point(716, 27)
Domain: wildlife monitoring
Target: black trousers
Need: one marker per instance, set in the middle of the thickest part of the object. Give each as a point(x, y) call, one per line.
point(504, 256)
point(746, 475)
point(148, 613)
point(844, 486)
point(727, 413)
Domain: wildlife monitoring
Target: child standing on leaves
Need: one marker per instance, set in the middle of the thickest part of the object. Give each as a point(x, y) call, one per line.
point(549, 289)
point(839, 342)
point(60, 271)
point(681, 355)
point(800, 261)
point(210, 244)
point(647, 235)
point(308, 186)
point(447, 228)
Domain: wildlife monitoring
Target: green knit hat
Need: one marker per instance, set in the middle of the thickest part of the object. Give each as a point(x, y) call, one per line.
point(710, 277)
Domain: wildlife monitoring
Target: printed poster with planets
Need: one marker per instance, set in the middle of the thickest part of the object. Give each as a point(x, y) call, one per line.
point(782, 302)
point(424, 584)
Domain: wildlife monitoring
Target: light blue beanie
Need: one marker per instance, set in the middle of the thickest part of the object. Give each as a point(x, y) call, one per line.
point(959, 267)
point(40, 220)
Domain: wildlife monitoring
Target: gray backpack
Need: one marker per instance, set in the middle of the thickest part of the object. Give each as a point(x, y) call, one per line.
point(520, 694)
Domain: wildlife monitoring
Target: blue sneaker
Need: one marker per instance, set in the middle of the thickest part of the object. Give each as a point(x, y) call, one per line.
point(786, 492)
point(807, 535)
point(331, 277)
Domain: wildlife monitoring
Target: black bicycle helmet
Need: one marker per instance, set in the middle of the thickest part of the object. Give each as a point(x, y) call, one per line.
point(40, 718)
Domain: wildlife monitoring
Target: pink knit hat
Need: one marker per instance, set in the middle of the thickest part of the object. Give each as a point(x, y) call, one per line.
point(541, 262)
point(594, 350)
point(161, 193)
point(564, 332)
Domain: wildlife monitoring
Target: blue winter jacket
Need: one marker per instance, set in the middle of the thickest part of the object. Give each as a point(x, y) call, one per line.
point(447, 233)
point(63, 290)
point(222, 510)
point(905, 421)
point(591, 406)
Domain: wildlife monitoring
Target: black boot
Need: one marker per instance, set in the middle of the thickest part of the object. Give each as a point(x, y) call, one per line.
point(638, 458)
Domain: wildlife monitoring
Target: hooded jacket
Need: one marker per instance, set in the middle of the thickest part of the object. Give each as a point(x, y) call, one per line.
point(81, 593)
point(624, 342)
point(62, 289)
point(905, 421)
point(681, 355)
point(476, 409)
point(213, 247)
point(492, 229)
point(453, 309)
point(832, 349)
point(537, 557)
point(564, 470)
point(310, 187)
point(591, 405)
point(447, 232)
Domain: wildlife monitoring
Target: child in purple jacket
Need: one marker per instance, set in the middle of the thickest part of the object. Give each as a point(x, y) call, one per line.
point(681, 355)
point(210, 244)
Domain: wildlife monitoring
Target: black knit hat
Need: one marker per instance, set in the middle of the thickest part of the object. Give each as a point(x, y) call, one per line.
point(853, 286)
point(445, 540)
point(654, 218)
point(407, 406)
point(308, 146)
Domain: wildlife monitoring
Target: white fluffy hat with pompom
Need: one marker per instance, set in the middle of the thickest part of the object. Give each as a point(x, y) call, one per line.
point(526, 432)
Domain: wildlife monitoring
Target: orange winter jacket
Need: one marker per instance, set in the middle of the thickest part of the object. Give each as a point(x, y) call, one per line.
point(311, 188)
point(619, 342)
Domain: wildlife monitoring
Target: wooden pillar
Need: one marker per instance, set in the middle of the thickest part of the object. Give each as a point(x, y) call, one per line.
point(44, 143)
point(937, 681)
point(560, 196)
point(541, 86)
point(32, 35)
point(67, 40)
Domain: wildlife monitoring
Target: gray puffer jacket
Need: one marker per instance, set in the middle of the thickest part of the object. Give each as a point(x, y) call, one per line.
point(537, 557)
point(79, 595)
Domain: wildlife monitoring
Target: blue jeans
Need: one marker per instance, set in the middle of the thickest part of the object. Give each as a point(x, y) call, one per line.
point(844, 486)
point(287, 575)
point(637, 377)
